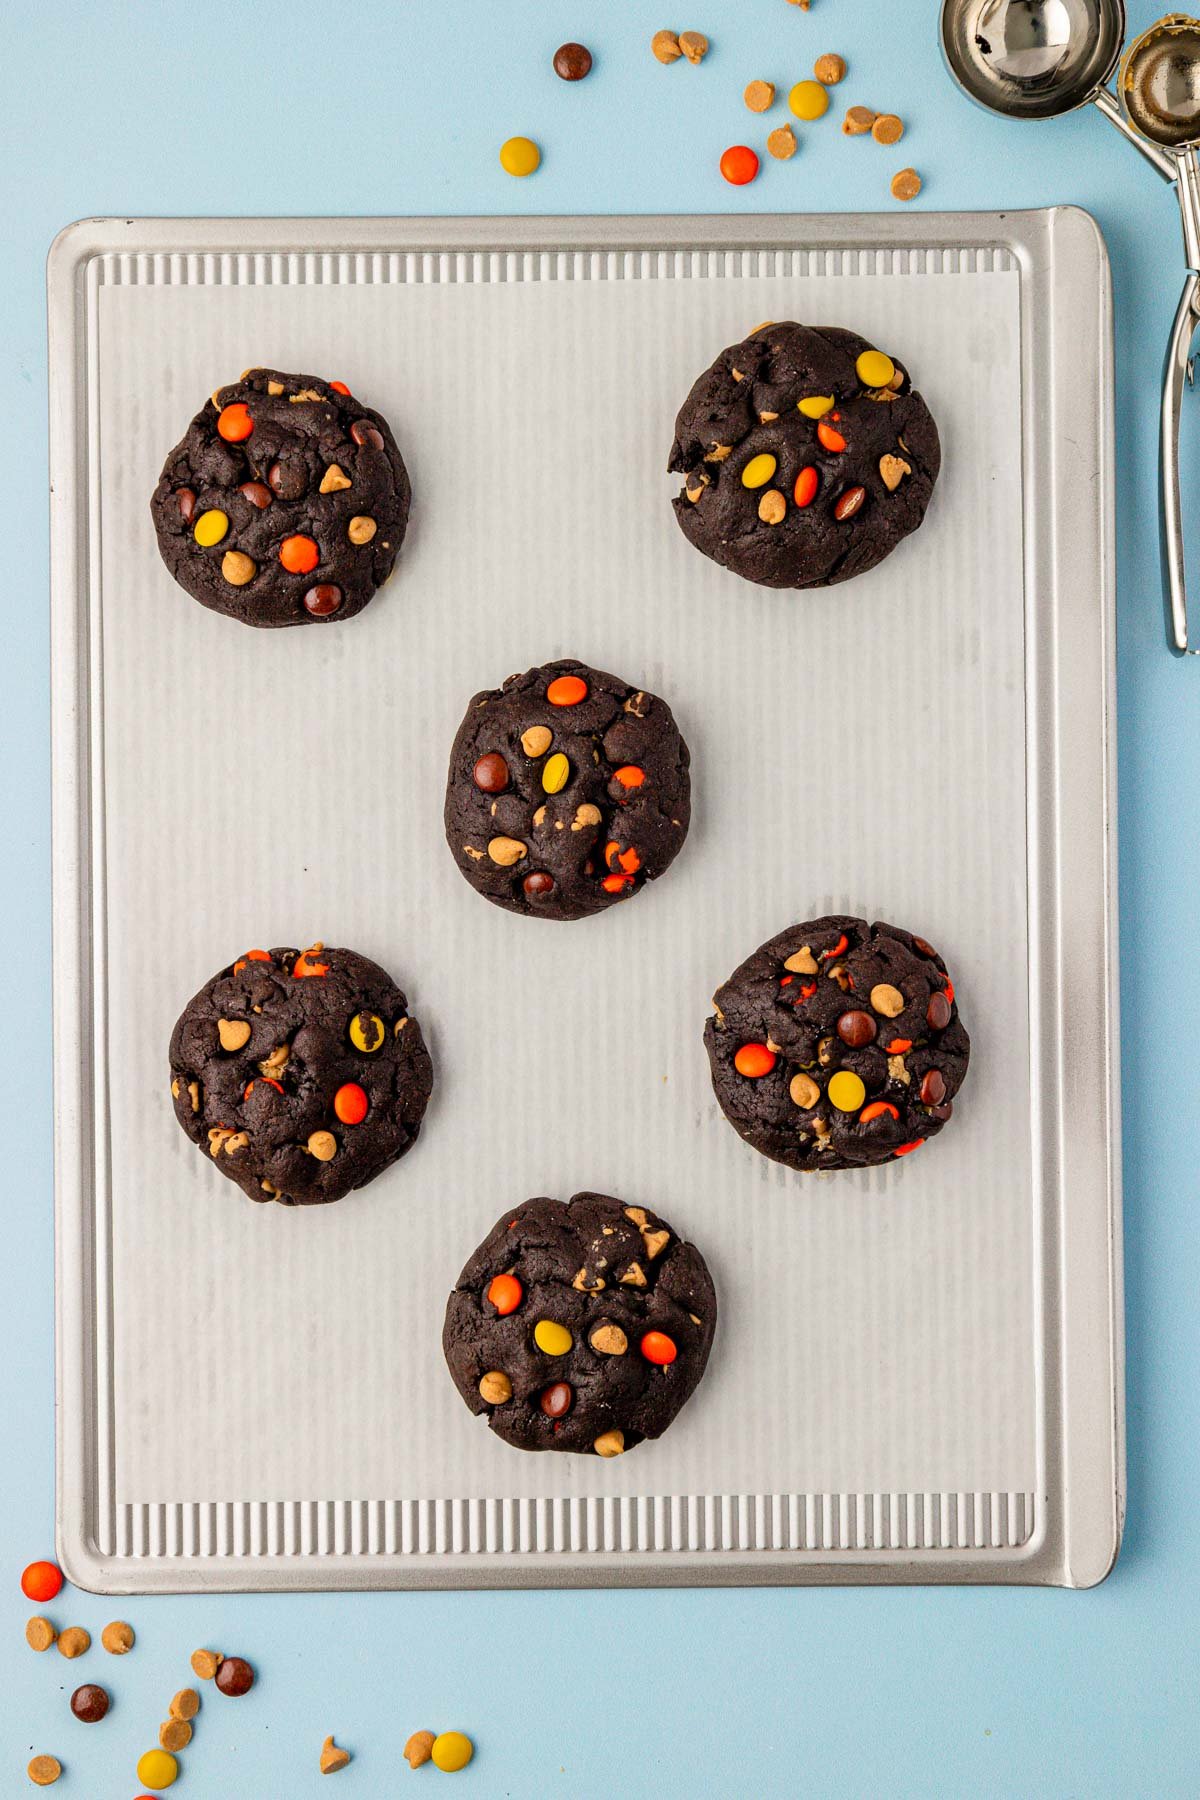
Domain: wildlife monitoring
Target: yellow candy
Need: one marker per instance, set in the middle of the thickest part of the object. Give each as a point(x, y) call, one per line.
point(210, 528)
point(552, 1339)
point(875, 369)
point(808, 100)
point(366, 1032)
point(519, 156)
point(451, 1750)
point(157, 1769)
point(846, 1091)
point(556, 772)
point(815, 406)
point(758, 471)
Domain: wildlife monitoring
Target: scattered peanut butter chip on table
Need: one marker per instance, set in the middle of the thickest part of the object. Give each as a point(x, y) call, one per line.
point(117, 1637)
point(694, 45)
point(887, 129)
point(185, 1705)
point(44, 1770)
point(418, 1748)
point(759, 95)
point(332, 1758)
point(40, 1633)
point(858, 120)
point(205, 1663)
point(830, 69)
point(781, 143)
point(665, 46)
point(74, 1641)
point(174, 1734)
point(906, 185)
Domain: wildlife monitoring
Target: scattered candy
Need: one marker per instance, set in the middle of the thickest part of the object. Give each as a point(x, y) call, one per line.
point(815, 406)
point(739, 165)
point(758, 471)
point(90, 1703)
point(332, 1759)
point(876, 1110)
point(858, 121)
point(630, 776)
point(366, 1032)
point(856, 1029)
point(658, 1348)
point(846, 1091)
point(874, 369)
point(210, 527)
point(39, 1634)
point(610, 1443)
point(451, 1751)
point(850, 502)
point(831, 439)
point(937, 1013)
point(759, 96)
point(73, 1642)
point(490, 773)
point(805, 490)
point(205, 1663)
point(887, 129)
point(519, 156)
point(754, 1061)
point(907, 1149)
point(185, 500)
point(808, 100)
point(505, 1293)
point(495, 1387)
point(898, 1046)
point(933, 1088)
point(830, 69)
point(781, 143)
point(906, 185)
point(350, 1103)
point(44, 1770)
point(556, 1400)
point(299, 555)
point(551, 1338)
point(234, 422)
point(572, 62)
point(307, 965)
point(323, 599)
point(538, 884)
point(418, 1748)
point(556, 772)
point(363, 432)
point(257, 493)
point(234, 1677)
point(567, 690)
point(157, 1769)
point(339, 387)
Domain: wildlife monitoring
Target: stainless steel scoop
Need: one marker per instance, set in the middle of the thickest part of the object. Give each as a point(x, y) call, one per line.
point(1037, 59)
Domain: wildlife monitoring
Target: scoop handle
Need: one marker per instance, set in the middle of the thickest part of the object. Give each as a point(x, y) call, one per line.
point(1187, 317)
point(1110, 106)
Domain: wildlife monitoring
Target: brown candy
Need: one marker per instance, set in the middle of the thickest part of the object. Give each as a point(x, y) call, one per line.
point(572, 62)
point(537, 884)
point(849, 503)
point(185, 499)
point(363, 432)
point(937, 1013)
point(856, 1029)
point(288, 479)
point(257, 493)
point(323, 599)
point(556, 1399)
point(490, 773)
point(235, 1676)
point(923, 948)
point(89, 1703)
point(933, 1088)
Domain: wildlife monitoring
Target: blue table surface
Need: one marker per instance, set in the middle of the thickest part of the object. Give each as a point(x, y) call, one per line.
point(400, 108)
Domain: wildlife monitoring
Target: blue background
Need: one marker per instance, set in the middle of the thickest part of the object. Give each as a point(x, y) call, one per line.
point(400, 108)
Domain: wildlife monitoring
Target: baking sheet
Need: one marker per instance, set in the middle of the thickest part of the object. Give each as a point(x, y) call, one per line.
point(862, 748)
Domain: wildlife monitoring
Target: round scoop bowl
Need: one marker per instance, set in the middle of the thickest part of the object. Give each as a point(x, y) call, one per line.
point(1160, 82)
point(1032, 59)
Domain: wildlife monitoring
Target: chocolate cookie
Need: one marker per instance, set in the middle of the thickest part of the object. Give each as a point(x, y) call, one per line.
point(568, 790)
point(838, 1045)
point(807, 456)
point(300, 1073)
point(582, 1326)
point(285, 502)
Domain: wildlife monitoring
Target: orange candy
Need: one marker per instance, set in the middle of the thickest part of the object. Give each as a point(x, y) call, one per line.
point(41, 1581)
point(270, 1081)
point(658, 1348)
point(805, 490)
point(950, 990)
point(339, 387)
point(842, 944)
point(754, 1061)
point(832, 440)
point(616, 884)
point(630, 776)
point(876, 1110)
point(305, 965)
point(299, 555)
point(234, 422)
point(739, 164)
point(350, 1103)
point(898, 1046)
point(250, 956)
point(505, 1293)
point(566, 690)
point(907, 1149)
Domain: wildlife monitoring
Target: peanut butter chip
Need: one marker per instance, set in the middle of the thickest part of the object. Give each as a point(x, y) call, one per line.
point(892, 470)
point(495, 1387)
point(759, 95)
point(44, 1770)
point(74, 1641)
point(174, 1734)
point(634, 1276)
point(887, 129)
point(804, 1091)
point(906, 185)
point(694, 45)
point(334, 479)
point(194, 1095)
point(185, 1705)
point(40, 1634)
point(655, 1242)
point(830, 69)
point(117, 1638)
point(858, 120)
point(537, 740)
point(332, 1759)
point(609, 1340)
point(305, 395)
point(506, 851)
point(718, 453)
point(772, 507)
point(275, 387)
point(781, 143)
point(665, 46)
point(887, 1000)
point(420, 1745)
point(233, 1033)
point(801, 962)
point(610, 1443)
point(585, 815)
point(175, 1088)
point(322, 1145)
point(238, 568)
point(205, 1663)
point(361, 529)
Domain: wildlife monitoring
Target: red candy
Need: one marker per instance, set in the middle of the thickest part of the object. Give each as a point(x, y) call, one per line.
point(630, 776)
point(339, 387)
point(41, 1581)
point(350, 1103)
point(907, 1149)
point(876, 1110)
point(505, 1292)
point(658, 1348)
point(754, 1061)
point(234, 422)
point(250, 956)
point(299, 555)
point(566, 690)
point(832, 440)
point(805, 490)
point(739, 165)
point(305, 965)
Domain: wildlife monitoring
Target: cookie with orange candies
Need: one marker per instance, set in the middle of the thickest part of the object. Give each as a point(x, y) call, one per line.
point(838, 1045)
point(300, 1074)
point(568, 791)
point(806, 455)
point(581, 1325)
point(284, 503)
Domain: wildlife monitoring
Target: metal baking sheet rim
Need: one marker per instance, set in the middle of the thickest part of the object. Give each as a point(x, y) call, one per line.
point(1070, 694)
